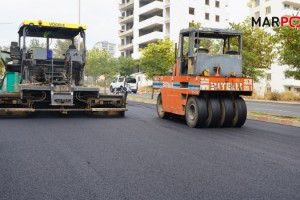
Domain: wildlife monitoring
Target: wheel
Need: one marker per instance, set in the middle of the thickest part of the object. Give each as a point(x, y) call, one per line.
point(240, 112)
point(227, 113)
point(159, 108)
point(195, 112)
point(111, 89)
point(134, 92)
point(214, 112)
point(121, 114)
point(122, 89)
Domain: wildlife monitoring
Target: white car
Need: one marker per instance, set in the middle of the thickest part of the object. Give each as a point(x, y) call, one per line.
point(133, 85)
point(117, 83)
point(129, 83)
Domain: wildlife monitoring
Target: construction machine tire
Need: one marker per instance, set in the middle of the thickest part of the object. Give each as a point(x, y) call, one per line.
point(195, 112)
point(108, 114)
point(121, 114)
point(14, 114)
point(227, 112)
point(240, 112)
point(159, 108)
point(214, 112)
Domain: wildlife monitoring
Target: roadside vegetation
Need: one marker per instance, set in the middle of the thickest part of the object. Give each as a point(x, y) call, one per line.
point(158, 58)
point(257, 52)
point(276, 96)
point(273, 116)
point(288, 40)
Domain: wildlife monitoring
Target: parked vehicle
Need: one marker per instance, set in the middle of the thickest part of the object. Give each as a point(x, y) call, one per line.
point(121, 82)
point(133, 85)
point(117, 83)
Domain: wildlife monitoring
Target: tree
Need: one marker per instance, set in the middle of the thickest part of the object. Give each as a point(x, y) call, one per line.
point(36, 43)
point(157, 58)
point(194, 24)
point(2, 48)
point(127, 66)
point(257, 50)
point(100, 63)
point(289, 45)
point(1, 67)
point(62, 45)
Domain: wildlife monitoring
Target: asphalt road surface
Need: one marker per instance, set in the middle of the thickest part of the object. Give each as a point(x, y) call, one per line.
point(143, 157)
point(275, 108)
point(285, 109)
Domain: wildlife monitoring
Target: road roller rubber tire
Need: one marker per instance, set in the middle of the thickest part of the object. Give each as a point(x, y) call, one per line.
point(195, 112)
point(240, 112)
point(214, 112)
point(159, 108)
point(227, 112)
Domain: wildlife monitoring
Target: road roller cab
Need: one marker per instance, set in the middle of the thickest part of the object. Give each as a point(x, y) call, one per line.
point(207, 80)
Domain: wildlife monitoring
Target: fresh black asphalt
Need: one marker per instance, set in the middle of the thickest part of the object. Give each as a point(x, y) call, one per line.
point(143, 157)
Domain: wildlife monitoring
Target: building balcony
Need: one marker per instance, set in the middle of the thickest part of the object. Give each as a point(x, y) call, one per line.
point(168, 4)
point(151, 22)
point(289, 12)
point(291, 82)
point(124, 20)
point(151, 37)
point(126, 6)
point(291, 2)
point(125, 33)
point(151, 8)
point(126, 47)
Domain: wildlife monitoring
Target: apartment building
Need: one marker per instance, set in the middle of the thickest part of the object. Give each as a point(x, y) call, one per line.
point(146, 21)
point(275, 79)
point(109, 47)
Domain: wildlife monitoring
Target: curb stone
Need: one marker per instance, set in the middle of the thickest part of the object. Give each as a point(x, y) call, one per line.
point(274, 120)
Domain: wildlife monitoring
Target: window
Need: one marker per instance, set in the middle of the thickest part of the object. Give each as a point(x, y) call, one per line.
point(131, 80)
point(207, 16)
point(268, 76)
point(296, 8)
point(191, 11)
point(257, 2)
point(207, 2)
point(217, 4)
point(286, 6)
point(217, 18)
point(257, 15)
point(268, 10)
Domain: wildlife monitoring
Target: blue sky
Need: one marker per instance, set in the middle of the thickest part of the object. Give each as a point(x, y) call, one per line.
point(100, 16)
